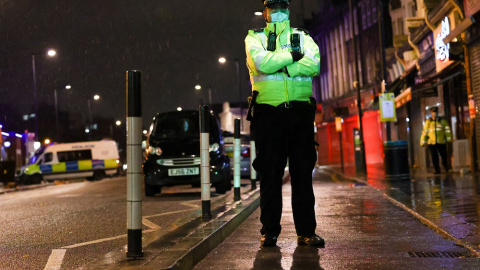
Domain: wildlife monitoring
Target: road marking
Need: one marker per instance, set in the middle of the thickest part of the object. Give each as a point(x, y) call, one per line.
point(189, 203)
point(150, 224)
point(55, 260)
point(96, 241)
point(103, 240)
point(168, 213)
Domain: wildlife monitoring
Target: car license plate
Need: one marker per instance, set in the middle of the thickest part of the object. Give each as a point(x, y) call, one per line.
point(183, 171)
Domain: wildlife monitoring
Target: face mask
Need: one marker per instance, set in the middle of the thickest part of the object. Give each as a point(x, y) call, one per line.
point(279, 15)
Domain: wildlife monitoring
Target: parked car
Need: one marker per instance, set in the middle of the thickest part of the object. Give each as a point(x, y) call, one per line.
point(244, 152)
point(173, 153)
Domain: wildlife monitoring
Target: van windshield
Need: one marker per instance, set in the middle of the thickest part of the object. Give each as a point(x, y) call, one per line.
point(176, 126)
point(37, 154)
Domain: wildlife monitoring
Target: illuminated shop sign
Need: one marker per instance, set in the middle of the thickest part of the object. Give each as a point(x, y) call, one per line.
point(441, 49)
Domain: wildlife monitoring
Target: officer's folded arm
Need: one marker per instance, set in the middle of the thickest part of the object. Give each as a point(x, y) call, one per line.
point(271, 62)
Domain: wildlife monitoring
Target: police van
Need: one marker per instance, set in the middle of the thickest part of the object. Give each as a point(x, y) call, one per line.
point(91, 160)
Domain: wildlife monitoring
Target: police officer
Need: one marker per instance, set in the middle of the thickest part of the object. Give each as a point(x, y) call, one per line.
point(281, 62)
point(436, 133)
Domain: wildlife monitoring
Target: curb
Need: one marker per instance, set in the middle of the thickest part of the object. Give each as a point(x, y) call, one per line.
point(448, 229)
point(24, 187)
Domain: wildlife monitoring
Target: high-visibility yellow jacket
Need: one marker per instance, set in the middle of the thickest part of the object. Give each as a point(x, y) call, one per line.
point(274, 85)
point(436, 131)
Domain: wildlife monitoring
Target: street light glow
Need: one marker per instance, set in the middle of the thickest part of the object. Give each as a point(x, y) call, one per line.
point(179, 109)
point(68, 86)
point(222, 60)
point(51, 53)
point(96, 97)
point(118, 123)
point(198, 87)
point(258, 13)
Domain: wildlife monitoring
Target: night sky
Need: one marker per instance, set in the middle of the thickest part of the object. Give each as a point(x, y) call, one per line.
point(176, 45)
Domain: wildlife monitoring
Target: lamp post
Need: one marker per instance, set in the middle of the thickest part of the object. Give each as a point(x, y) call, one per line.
point(90, 126)
point(381, 32)
point(363, 164)
point(68, 87)
point(50, 53)
point(223, 60)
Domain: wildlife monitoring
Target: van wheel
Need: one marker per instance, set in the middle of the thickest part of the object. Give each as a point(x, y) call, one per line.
point(151, 190)
point(98, 175)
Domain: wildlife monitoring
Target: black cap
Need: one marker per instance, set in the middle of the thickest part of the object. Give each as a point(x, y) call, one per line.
point(268, 3)
point(434, 109)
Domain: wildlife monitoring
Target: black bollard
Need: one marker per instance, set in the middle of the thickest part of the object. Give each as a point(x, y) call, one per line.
point(205, 160)
point(236, 160)
point(134, 164)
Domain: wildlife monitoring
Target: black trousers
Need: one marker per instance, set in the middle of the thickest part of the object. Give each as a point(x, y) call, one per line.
point(281, 134)
point(435, 150)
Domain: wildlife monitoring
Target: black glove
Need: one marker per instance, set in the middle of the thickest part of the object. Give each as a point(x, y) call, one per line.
point(296, 55)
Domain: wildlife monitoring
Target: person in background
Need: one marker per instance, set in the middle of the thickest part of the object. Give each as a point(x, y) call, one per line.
point(435, 135)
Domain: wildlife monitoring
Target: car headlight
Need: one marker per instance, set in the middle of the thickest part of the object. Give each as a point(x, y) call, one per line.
point(154, 150)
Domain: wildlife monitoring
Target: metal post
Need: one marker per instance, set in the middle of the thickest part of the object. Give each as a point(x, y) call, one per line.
point(363, 165)
point(56, 114)
point(236, 160)
point(210, 95)
point(35, 96)
point(381, 32)
point(341, 150)
point(205, 160)
point(90, 124)
point(253, 173)
point(134, 164)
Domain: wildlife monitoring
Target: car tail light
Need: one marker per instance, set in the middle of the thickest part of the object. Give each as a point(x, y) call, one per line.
point(245, 153)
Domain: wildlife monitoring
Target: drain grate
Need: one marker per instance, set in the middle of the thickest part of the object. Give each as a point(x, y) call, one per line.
point(438, 254)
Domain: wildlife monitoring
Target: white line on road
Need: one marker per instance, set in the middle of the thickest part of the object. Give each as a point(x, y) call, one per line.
point(168, 213)
point(150, 224)
point(55, 260)
point(102, 240)
point(191, 204)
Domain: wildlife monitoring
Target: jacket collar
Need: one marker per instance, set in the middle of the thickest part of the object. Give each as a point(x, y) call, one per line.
point(278, 27)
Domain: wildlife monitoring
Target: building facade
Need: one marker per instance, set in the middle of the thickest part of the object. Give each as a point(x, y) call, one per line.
point(421, 66)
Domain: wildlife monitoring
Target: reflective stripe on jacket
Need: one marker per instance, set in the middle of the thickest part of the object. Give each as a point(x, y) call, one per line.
point(436, 131)
point(265, 67)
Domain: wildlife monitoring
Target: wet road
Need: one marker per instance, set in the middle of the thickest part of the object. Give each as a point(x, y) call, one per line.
point(73, 224)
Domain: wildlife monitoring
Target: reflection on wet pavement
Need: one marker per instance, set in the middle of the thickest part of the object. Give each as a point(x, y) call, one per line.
point(452, 193)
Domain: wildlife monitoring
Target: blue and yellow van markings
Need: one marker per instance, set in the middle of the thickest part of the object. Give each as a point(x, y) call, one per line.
point(72, 166)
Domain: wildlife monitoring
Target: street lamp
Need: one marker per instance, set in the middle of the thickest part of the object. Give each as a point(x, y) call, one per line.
point(68, 87)
point(50, 53)
point(223, 60)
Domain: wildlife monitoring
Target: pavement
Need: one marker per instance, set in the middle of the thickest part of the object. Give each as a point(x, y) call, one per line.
point(426, 222)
